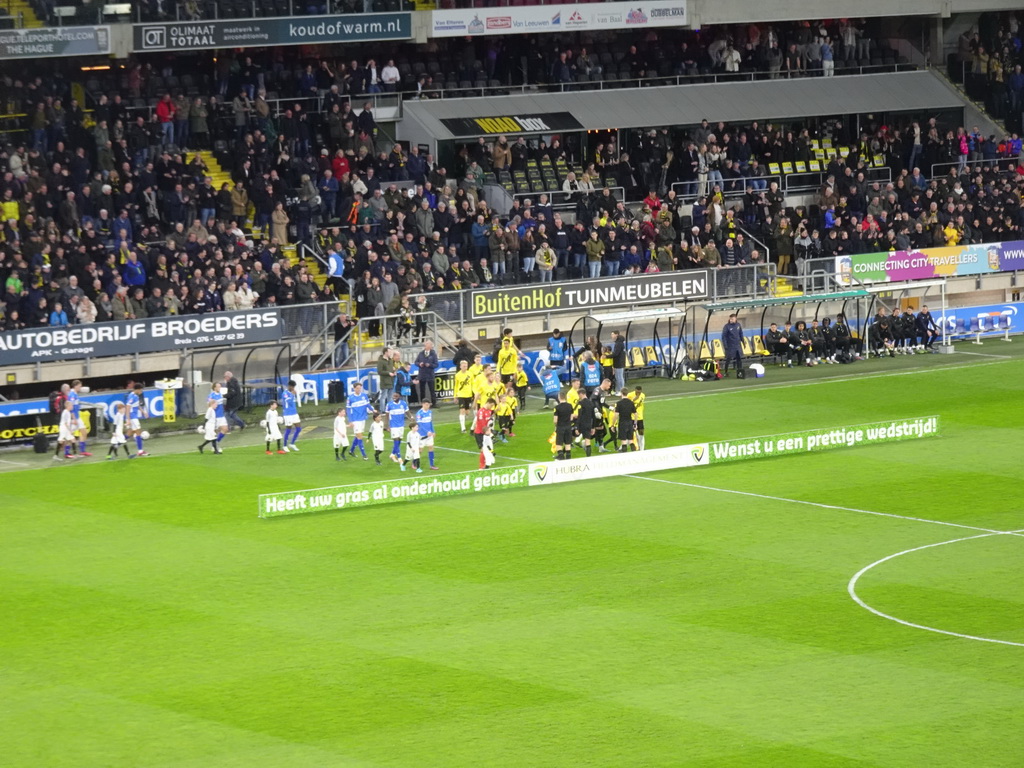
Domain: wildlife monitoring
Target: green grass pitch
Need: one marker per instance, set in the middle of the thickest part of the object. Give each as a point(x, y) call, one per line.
point(695, 617)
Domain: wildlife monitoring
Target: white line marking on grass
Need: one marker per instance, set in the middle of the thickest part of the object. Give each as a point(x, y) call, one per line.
point(852, 589)
point(827, 379)
point(988, 531)
point(15, 463)
point(982, 354)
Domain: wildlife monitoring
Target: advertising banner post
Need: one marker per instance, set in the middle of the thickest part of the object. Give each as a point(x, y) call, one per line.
point(568, 17)
point(493, 303)
point(160, 334)
point(47, 42)
point(927, 263)
point(292, 30)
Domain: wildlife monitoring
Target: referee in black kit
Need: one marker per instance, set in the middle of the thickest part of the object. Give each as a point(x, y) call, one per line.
point(625, 421)
point(563, 428)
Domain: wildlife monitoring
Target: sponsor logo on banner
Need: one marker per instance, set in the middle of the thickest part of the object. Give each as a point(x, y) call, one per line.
point(615, 464)
point(588, 294)
point(185, 36)
point(944, 261)
point(551, 18)
point(546, 122)
point(149, 335)
point(46, 42)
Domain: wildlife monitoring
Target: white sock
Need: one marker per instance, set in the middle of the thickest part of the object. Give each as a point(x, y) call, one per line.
point(462, 421)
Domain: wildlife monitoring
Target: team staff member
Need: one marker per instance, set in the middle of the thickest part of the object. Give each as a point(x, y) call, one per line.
point(587, 415)
point(563, 428)
point(624, 421)
point(619, 359)
point(639, 400)
point(464, 392)
point(426, 362)
point(732, 340)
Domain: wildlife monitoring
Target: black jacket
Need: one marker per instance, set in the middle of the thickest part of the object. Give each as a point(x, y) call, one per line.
point(233, 401)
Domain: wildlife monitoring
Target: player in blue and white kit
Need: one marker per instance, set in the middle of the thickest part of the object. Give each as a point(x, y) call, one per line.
point(425, 428)
point(75, 398)
point(290, 411)
point(357, 409)
point(397, 410)
point(136, 403)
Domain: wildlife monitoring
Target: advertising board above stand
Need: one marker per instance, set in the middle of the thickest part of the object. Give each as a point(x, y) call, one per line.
point(569, 17)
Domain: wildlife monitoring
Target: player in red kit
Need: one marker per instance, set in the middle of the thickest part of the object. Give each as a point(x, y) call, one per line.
point(482, 421)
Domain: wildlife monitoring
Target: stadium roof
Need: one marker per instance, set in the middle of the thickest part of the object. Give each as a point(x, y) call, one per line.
point(688, 104)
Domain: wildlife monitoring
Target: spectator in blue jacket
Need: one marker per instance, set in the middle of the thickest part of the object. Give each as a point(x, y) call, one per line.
point(132, 272)
point(328, 189)
point(479, 234)
point(58, 317)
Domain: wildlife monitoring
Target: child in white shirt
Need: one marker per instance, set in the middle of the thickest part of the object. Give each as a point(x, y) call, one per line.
point(340, 436)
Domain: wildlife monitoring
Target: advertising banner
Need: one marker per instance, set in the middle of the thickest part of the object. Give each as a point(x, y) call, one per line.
point(22, 429)
point(54, 41)
point(990, 318)
point(592, 467)
point(390, 491)
point(814, 440)
point(160, 334)
point(294, 30)
point(518, 301)
point(545, 122)
point(947, 261)
point(569, 17)
point(615, 464)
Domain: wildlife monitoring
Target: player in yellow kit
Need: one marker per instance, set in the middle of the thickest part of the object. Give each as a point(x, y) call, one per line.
point(503, 412)
point(639, 399)
point(522, 385)
point(508, 358)
point(464, 392)
point(477, 367)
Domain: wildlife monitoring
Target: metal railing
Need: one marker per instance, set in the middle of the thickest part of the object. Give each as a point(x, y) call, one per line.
point(730, 188)
point(565, 201)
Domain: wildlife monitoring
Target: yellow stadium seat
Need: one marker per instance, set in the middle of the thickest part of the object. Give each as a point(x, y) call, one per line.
point(718, 349)
point(636, 358)
point(758, 346)
point(745, 347)
point(705, 351)
point(650, 354)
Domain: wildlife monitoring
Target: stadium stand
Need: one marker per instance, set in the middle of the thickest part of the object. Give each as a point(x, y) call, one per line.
point(130, 208)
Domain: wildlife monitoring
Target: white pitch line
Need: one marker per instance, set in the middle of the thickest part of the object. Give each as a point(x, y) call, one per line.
point(15, 463)
point(982, 354)
point(852, 589)
point(988, 531)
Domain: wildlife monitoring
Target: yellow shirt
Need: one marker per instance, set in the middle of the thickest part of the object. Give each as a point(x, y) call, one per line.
point(463, 384)
point(475, 370)
point(504, 408)
point(508, 359)
point(497, 390)
point(521, 379)
point(481, 386)
point(514, 402)
point(638, 398)
point(572, 397)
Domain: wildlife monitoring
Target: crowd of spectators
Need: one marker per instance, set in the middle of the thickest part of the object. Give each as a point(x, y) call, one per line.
point(112, 217)
point(988, 61)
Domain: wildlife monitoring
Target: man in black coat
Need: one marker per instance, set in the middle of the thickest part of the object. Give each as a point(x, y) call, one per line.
point(233, 401)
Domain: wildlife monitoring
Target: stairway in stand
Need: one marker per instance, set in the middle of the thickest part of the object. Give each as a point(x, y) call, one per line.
point(785, 287)
point(21, 8)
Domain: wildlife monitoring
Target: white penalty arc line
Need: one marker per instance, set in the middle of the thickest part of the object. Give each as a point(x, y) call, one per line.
point(851, 588)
